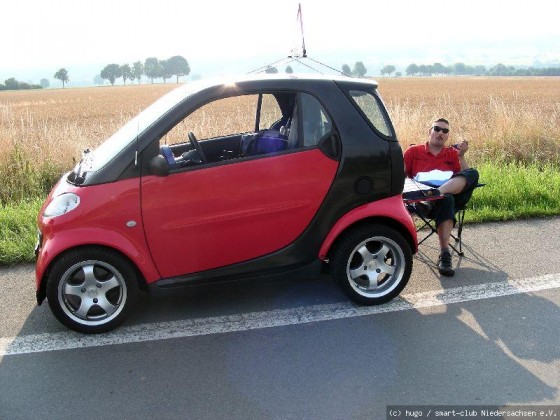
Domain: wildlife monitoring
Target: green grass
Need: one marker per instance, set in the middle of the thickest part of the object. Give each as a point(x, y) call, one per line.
point(515, 192)
point(18, 231)
point(512, 191)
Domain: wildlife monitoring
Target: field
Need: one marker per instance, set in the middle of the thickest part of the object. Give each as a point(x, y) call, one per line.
point(43, 132)
point(505, 119)
point(512, 124)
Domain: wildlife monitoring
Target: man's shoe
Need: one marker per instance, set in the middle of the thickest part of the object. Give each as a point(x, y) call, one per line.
point(445, 266)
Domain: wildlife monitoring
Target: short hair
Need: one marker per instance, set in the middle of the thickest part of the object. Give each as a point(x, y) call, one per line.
point(443, 120)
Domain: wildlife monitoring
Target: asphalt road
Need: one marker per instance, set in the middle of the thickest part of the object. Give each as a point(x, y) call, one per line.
point(297, 349)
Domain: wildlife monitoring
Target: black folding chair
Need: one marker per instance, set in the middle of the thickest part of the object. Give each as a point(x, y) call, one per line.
point(412, 195)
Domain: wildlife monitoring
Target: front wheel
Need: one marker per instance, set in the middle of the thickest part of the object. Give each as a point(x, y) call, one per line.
point(91, 290)
point(372, 264)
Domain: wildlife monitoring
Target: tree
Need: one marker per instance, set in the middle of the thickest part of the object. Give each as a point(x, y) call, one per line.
point(11, 83)
point(138, 70)
point(165, 70)
point(479, 70)
point(459, 69)
point(388, 69)
point(359, 69)
point(152, 68)
point(44, 83)
point(346, 69)
point(271, 70)
point(126, 73)
point(439, 68)
point(62, 75)
point(98, 80)
point(111, 72)
point(412, 70)
point(178, 66)
point(289, 70)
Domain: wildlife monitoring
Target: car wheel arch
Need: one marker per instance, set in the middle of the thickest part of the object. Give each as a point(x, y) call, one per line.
point(373, 220)
point(42, 290)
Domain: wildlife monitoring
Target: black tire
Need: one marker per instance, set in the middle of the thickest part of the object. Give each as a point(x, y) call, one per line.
point(92, 290)
point(372, 264)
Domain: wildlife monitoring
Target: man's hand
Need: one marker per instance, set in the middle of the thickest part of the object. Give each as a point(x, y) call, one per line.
point(462, 147)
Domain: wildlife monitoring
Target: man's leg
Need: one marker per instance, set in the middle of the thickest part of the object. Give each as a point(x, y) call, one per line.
point(444, 233)
point(443, 215)
point(445, 264)
point(454, 186)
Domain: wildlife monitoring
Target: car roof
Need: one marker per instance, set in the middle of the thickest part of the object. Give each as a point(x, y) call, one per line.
point(202, 84)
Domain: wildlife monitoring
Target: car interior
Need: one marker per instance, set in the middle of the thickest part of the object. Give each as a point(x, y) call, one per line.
point(265, 138)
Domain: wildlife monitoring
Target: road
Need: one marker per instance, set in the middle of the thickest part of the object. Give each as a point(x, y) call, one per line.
point(297, 349)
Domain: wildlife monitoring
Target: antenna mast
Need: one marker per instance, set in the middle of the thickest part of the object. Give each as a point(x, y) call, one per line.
point(296, 52)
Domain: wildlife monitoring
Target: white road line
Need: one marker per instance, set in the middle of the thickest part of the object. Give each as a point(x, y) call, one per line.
point(276, 318)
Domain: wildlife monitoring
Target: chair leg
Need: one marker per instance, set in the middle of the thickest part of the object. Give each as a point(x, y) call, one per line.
point(459, 237)
point(427, 223)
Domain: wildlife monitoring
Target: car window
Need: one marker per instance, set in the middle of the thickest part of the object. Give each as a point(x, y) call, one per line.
point(220, 118)
point(372, 110)
point(270, 111)
point(316, 122)
point(249, 125)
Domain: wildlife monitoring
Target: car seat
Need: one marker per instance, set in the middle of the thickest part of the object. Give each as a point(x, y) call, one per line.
point(265, 141)
point(169, 157)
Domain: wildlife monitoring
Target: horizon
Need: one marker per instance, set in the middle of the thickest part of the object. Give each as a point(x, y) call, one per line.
point(42, 38)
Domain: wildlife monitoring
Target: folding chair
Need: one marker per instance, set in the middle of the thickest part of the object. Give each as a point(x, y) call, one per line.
point(411, 197)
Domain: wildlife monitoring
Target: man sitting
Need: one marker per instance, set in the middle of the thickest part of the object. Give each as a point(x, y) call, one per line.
point(456, 192)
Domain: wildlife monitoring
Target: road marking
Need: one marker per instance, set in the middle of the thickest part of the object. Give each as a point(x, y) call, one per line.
point(275, 318)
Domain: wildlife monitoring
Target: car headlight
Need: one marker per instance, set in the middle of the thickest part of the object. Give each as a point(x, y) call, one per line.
point(62, 204)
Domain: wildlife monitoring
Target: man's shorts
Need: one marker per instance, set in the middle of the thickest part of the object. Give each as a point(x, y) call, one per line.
point(445, 208)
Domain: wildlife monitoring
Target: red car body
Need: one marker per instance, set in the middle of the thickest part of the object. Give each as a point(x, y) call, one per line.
point(144, 213)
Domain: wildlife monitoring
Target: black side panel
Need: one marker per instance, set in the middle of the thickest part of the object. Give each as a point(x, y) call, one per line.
point(397, 184)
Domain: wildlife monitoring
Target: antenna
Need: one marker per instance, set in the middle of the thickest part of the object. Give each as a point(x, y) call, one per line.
point(296, 52)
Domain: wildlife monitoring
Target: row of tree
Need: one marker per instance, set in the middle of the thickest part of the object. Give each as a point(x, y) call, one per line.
point(359, 69)
point(152, 68)
point(462, 69)
point(13, 84)
point(178, 66)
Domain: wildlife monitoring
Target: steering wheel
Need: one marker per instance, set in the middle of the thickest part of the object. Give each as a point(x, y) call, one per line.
point(196, 145)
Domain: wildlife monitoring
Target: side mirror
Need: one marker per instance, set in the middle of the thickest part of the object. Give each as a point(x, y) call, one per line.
point(158, 166)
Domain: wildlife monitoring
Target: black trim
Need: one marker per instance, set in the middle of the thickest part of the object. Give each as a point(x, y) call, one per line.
point(227, 274)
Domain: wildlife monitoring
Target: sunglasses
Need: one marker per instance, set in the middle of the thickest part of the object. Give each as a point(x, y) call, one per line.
point(437, 129)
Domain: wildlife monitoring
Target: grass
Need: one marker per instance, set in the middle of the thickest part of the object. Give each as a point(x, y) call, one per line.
point(18, 231)
point(514, 191)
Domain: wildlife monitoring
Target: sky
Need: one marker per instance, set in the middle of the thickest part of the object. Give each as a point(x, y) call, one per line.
point(38, 37)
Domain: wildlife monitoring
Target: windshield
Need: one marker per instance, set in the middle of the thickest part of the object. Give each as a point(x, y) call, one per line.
point(129, 132)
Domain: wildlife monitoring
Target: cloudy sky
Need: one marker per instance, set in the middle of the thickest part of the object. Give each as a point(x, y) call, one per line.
point(43, 36)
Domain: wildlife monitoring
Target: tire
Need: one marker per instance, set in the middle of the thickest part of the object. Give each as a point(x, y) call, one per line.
point(92, 290)
point(372, 264)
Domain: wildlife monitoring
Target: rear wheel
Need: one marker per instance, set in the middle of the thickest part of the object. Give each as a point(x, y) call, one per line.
point(372, 264)
point(92, 290)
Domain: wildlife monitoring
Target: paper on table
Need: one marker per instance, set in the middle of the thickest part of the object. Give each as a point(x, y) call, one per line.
point(435, 177)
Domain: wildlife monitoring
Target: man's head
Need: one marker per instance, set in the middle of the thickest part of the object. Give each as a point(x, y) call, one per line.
point(439, 133)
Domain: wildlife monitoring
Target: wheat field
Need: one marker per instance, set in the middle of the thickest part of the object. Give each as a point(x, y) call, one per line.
point(42, 132)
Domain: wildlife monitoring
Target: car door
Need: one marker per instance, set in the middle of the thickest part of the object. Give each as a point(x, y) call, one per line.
point(229, 211)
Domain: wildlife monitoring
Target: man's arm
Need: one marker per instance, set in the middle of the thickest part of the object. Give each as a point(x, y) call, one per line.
point(462, 149)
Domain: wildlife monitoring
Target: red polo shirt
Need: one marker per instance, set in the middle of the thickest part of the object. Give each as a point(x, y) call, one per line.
point(418, 158)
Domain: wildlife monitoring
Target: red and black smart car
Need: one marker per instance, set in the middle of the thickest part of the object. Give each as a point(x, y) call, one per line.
point(230, 179)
